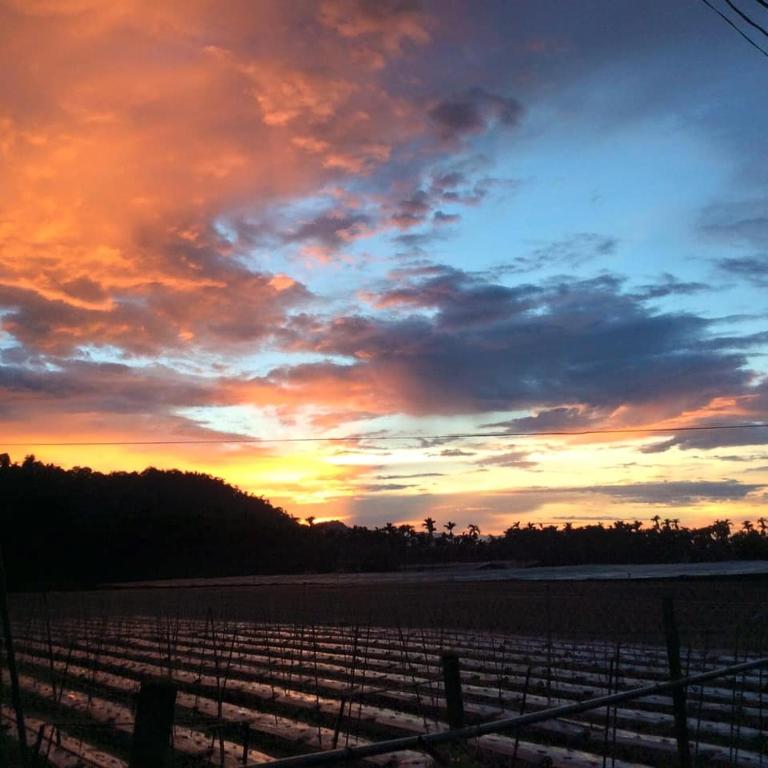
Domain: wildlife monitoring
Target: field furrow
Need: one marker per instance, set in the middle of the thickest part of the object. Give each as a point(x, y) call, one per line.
point(311, 688)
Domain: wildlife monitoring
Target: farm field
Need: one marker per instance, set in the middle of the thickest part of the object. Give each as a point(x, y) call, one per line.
point(488, 572)
point(254, 685)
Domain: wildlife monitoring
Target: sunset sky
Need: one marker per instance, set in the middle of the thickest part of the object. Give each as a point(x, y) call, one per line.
point(281, 219)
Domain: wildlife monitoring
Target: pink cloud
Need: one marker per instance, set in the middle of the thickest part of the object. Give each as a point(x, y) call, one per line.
point(127, 129)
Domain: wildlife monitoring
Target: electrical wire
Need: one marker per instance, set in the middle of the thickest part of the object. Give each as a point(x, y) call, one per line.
point(388, 438)
point(745, 17)
point(731, 23)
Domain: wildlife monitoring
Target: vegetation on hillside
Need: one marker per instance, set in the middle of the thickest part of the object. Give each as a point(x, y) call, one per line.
point(83, 527)
point(661, 541)
point(79, 527)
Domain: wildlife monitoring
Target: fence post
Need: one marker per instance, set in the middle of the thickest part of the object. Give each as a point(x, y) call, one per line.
point(21, 728)
point(154, 720)
point(675, 673)
point(246, 726)
point(453, 697)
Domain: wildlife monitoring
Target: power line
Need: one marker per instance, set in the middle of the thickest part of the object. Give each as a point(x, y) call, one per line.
point(751, 22)
point(387, 438)
point(732, 24)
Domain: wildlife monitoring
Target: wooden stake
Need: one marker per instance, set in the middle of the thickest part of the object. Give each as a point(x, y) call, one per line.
point(12, 671)
point(453, 696)
point(154, 720)
point(675, 673)
point(246, 726)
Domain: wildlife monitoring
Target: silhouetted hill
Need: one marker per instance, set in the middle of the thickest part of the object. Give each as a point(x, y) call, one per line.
point(80, 527)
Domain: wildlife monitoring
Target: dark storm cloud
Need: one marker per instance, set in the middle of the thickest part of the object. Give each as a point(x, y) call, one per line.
point(79, 386)
point(387, 487)
point(717, 438)
point(669, 285)
point(752, 409)
point(84, 288)
point(331, 230)
point(108, 400)
point(520, 502)
point(416, 243)
point(438, 217)
point(459, 343)
point(564, 418)
point(508, 459)
point(673, 493)
point(744, 223)
point(754, 269)
point(16, 380)
point(740, 459)
point(469, 191)
point(747, 341)
point(413, 210)
point(426, 203)
point(473, 111)
point(462, 299)
point(678, 493)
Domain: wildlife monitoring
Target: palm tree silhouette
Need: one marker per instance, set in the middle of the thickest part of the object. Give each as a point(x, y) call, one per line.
point(407, 530)
point(473, 531)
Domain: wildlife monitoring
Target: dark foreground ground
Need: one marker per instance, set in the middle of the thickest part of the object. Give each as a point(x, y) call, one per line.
point(712, 612)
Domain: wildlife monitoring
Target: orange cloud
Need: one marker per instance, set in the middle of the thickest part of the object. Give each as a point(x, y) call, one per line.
point(127, 128)
point(154, 156)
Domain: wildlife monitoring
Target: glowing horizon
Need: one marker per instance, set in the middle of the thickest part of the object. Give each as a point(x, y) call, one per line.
point(281, 220)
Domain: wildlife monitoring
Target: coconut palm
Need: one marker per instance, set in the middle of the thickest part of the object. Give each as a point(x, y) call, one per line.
point(473, 532)
point(407, 530)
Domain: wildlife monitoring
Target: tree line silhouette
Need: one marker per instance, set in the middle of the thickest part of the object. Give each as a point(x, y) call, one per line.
point(74, 528)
